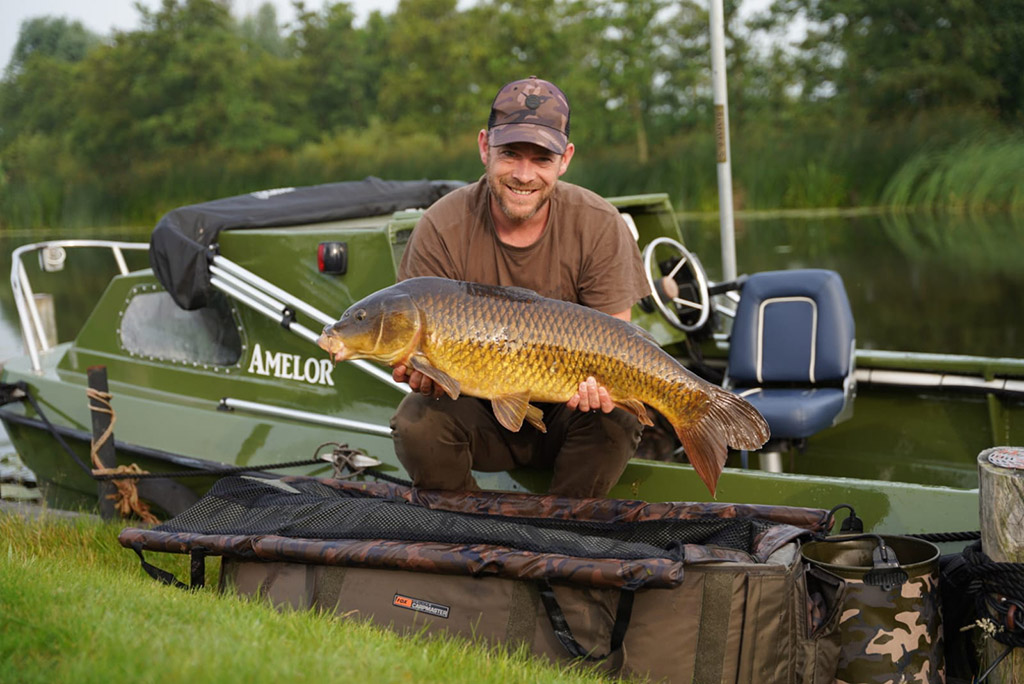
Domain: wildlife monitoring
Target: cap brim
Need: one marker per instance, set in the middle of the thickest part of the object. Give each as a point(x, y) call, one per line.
point(545, 136)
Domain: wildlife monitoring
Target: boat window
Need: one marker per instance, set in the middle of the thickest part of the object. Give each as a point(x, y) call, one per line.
point(154, 326)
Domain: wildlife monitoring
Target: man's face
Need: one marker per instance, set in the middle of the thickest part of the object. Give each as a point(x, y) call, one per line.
point(522, 177)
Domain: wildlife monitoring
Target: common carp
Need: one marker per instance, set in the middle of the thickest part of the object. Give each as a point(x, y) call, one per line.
point(513, 346)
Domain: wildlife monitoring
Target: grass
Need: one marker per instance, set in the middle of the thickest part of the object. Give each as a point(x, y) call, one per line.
point(76, 607)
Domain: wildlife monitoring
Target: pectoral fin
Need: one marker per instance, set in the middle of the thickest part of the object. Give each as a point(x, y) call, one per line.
point(511, 409)
point(637, 408)
point(535, 417)
point(449, 384)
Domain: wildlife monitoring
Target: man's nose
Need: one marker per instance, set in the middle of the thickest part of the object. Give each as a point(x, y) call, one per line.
point(524, 170)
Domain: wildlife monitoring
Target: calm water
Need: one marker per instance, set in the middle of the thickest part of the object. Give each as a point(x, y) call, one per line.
point(916, 283)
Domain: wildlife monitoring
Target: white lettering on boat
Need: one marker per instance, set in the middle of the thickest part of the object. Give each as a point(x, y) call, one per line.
point(291, 366)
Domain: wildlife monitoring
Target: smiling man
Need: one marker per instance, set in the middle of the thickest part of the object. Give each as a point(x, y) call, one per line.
point(519, 225)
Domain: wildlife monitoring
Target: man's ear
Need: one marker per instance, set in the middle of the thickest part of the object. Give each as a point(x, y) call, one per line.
point(483, 143)
point(570, 150)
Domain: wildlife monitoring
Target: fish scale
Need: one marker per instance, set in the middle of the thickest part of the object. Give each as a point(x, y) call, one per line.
point(513, 346)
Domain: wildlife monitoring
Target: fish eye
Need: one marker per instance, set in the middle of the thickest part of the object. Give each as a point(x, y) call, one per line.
point(360, 315)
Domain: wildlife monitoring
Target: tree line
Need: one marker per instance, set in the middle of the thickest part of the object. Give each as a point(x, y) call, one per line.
point(828, 98)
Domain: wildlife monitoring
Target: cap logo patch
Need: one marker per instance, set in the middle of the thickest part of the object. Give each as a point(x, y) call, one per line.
point(534, 101)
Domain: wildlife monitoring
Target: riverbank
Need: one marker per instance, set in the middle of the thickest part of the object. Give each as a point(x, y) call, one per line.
point(77, 607)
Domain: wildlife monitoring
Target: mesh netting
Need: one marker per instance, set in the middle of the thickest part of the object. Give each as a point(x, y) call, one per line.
point(311, 510)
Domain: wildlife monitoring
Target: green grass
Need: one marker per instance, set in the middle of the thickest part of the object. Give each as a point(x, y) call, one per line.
point(76, 607)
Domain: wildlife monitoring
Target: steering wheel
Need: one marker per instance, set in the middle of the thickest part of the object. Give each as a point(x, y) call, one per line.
point(687, 314)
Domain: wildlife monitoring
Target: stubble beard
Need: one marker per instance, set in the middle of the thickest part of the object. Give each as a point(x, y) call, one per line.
point(516, 213)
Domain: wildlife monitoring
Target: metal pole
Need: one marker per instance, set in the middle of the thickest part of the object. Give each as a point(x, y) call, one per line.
point(721, 100)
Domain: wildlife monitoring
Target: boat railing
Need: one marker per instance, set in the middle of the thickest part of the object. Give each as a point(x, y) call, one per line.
point(52, 255)
point(266, 298)
point(239, 283)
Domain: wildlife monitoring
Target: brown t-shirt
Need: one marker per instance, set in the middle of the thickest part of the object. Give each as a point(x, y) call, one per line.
point(585, 255)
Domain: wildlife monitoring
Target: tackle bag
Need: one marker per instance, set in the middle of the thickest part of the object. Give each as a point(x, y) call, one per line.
point(681, 592)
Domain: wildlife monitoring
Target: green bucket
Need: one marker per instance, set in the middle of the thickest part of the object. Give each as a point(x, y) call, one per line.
point(891, 626)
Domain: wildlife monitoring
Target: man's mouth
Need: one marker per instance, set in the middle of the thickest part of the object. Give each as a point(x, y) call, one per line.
point(522, 192)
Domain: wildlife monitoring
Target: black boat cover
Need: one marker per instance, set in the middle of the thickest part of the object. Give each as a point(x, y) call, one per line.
point(184, 240)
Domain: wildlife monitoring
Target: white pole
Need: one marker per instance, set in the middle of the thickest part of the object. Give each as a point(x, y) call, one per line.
point(721, 100)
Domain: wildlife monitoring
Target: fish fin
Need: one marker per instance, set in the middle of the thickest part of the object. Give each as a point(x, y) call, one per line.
point(745, 427)
point(449, 384)
point(729, 421)
point(637, 408)
point(535, 417)
point(706, 450)
point(511, 409)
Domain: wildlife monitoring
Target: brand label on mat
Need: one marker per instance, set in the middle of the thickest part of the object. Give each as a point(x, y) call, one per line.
point(421, 606)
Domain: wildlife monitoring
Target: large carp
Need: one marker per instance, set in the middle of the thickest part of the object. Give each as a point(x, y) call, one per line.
point(513, 346)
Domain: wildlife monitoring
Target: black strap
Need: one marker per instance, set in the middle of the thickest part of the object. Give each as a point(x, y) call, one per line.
point(156, 573)
point(197, 570)
point(564, 634)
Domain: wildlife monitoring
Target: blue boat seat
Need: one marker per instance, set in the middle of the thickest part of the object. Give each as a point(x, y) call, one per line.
point(791, 351)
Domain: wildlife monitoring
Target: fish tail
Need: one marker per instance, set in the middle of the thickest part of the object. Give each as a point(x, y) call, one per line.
point(729, 421)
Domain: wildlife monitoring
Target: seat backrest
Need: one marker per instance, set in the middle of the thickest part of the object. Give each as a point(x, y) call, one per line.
point(791, 327)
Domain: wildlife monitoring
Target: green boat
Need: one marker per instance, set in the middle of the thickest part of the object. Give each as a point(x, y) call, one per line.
point(207, 336)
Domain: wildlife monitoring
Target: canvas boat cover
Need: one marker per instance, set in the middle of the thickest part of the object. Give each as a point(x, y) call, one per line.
point(184, 240)
point(602, 543)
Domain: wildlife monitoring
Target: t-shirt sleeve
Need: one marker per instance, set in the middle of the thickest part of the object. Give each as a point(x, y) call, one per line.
point(426, 254)
point(613, 278)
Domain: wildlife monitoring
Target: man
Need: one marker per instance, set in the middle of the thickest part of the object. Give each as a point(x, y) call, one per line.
point(520, 225)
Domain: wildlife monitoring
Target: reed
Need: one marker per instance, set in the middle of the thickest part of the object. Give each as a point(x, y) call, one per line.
point(76, 607)
point(982, 174)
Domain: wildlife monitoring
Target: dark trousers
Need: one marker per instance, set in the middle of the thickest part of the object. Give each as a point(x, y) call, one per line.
point(440, 440)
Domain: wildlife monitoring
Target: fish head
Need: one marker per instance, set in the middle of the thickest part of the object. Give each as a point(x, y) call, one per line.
point(384, 326)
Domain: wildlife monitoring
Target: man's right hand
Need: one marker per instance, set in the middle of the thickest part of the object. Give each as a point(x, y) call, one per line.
point(418, 382)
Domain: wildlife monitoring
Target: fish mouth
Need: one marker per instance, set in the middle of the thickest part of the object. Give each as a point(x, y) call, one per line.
point(335, 347)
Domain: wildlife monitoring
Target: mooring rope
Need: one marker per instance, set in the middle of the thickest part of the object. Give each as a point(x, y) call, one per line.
point(126, 498)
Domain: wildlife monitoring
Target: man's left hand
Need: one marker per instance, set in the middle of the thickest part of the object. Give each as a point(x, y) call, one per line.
point(591, 397)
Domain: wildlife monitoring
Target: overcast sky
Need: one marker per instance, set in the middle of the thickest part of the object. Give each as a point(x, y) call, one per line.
point(102, 16)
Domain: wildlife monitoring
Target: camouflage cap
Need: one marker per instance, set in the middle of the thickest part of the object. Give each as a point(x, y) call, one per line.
point(531, 110)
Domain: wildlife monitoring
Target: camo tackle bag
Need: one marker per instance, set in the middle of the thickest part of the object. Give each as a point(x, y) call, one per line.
point(681, 592)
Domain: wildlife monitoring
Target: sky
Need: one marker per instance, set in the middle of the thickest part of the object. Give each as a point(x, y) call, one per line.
point(103, 16)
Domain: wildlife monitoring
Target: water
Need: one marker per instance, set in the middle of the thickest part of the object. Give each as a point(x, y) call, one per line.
point(916, 283)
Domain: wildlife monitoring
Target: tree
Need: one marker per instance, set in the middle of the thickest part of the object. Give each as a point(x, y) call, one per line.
point(337, 73)
point(261, 32)
point(180, 84)
point(894, 57)
point(53, 37)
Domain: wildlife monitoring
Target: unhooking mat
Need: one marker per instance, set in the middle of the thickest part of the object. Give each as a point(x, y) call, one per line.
point(695, 592)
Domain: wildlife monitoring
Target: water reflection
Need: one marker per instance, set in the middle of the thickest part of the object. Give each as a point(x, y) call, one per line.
point(916, 282)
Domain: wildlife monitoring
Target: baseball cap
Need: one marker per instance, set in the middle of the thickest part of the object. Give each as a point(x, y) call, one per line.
point(530, 110)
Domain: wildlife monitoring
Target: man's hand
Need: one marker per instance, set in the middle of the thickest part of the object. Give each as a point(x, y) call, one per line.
point(418, 382)
point(591, 397)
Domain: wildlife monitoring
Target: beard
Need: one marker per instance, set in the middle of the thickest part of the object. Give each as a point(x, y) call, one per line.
point(518, 208)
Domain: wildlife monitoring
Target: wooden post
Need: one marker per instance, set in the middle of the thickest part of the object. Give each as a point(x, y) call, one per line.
point(1001, 501)
point(97, 376)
